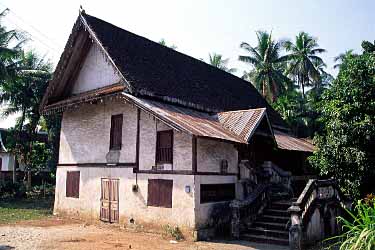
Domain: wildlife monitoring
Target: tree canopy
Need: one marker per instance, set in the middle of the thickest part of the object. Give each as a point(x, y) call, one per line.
point(345, 147)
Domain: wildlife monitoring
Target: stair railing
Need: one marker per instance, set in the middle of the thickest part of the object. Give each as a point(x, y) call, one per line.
point(244, 212)
point(315, 194)
point(278, 175)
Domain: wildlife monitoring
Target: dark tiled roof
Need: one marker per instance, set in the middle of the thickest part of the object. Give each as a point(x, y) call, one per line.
point(155, 70)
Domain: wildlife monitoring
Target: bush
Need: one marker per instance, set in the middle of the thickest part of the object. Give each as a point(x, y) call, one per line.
point(173, 232)
point(359, 232)
point(8, 188)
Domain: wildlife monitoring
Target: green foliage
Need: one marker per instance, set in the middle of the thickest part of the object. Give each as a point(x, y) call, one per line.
point(346, 145)
point(217, 61)
point(267, 73)
point(13, 210)
point(173, 232)
point(164, 43)
point(303, 60)
point(359, 231)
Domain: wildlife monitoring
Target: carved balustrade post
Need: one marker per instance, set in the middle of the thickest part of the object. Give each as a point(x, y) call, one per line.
point(295, 230)
point(236, 220)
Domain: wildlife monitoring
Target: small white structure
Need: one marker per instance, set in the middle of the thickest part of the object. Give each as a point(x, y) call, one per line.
point(146, 134)
point(7, 160)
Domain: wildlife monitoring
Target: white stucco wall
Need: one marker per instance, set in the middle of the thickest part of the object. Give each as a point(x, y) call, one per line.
point(85, 139)
point(210, 153)
point(131, 205)
point(96, 72)
point(203, 210)
point(8, 161)
point(85, 132)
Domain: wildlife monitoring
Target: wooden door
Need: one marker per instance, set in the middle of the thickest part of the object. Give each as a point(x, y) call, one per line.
point(109, 201)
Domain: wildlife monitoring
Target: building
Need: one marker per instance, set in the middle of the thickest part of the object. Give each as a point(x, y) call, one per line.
point(152, 136)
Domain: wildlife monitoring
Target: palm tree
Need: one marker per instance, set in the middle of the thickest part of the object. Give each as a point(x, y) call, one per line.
point(217, 61)
point(341, 58)
point(11, 42)
point(302, 59)
point(368, 47)
point(22, 95)
point(267, 72)
point(164, 43)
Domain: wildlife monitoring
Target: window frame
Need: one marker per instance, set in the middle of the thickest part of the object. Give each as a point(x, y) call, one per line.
point(218, 188)
point(73, 181)
point(158, 148)
point(115, 136)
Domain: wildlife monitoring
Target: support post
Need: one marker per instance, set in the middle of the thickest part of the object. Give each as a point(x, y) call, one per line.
point(235, 225)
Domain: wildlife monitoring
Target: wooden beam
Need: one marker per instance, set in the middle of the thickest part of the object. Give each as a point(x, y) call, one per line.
point(194, 155)
point(137, 142)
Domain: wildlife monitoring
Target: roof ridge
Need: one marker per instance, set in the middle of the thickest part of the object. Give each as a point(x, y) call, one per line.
point(172, 50)
point(242, 110)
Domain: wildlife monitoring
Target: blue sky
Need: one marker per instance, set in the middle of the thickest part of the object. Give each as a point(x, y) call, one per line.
point(198, 27)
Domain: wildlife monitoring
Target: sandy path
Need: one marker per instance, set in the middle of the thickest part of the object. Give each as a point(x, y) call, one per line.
point(61, 234)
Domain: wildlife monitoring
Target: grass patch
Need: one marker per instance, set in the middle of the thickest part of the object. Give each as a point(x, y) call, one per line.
point(13, 210)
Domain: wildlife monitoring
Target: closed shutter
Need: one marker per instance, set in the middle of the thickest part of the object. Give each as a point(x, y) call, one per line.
point(116, 132)
point(153, 193)
point(160, 193)
point(165, 192)
point(164, 147)
point(72, 184)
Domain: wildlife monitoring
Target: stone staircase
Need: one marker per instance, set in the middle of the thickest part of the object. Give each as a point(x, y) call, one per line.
point(272, 226)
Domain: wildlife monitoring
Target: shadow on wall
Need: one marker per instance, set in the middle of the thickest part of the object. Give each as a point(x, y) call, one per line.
point(6, 247)
point(137, 192)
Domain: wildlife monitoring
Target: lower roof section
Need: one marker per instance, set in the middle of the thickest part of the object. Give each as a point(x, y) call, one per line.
point(288, 142)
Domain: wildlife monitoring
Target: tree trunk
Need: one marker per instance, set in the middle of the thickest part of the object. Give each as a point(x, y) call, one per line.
point(18, 140)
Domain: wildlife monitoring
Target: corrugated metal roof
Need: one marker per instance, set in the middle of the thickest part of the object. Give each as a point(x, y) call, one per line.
point(288, 142)
point(232, 126)
point(242, 122)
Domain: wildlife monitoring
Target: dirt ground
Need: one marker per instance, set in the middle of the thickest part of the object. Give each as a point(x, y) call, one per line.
point(55, 233)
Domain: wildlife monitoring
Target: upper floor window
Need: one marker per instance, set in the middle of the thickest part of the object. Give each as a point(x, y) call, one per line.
point(115, 140)
point(164, 147)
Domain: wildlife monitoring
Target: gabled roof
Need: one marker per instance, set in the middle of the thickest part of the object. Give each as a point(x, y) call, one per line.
point(200, 123)
point(243, 122)
point(149, 69)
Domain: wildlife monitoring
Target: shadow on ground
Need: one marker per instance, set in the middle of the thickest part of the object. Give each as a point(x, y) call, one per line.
point(249, 245)
point(30, 203)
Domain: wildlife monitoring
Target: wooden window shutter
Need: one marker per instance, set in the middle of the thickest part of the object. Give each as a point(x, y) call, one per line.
point(115, 141)
point(153, 193)
point(160, 193)
point(72, 184)
point(165, 192)
point(164, 146)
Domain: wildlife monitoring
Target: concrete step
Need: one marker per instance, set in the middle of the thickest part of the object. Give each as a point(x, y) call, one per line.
point(276, 212)
point(280, 205)
point(284, 234)
point(264, 239)
point(270, 225)
point(274, 219)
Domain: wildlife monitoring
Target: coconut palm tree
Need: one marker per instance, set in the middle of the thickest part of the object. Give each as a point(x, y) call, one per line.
point(164, 43)
point(341, 57)
point(11, 42)
point(217, 61)
point(368, 47)
point(267, 65)
point(22, 95)
point(302, 57)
